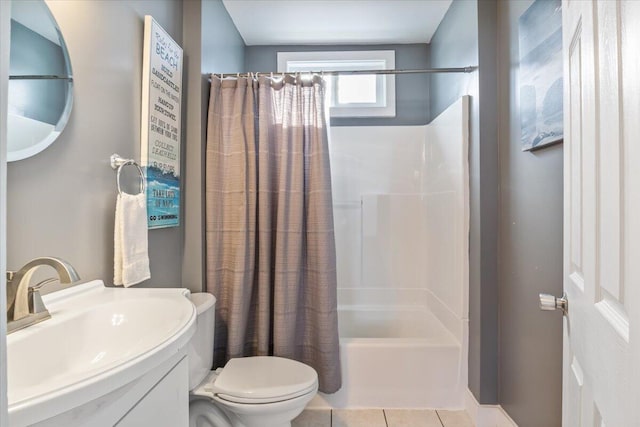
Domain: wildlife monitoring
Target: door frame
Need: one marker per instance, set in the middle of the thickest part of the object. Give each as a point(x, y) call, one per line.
point(5, 34)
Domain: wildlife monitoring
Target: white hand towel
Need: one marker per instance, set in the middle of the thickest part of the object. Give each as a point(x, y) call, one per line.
point(131, 256)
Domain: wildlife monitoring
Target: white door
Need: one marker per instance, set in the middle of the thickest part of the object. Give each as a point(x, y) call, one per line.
point(601, 370)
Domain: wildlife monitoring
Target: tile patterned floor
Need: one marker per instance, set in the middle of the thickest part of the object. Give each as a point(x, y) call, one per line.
point(382, 418)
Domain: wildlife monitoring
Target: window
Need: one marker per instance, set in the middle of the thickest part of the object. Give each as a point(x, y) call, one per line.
point(359, 95)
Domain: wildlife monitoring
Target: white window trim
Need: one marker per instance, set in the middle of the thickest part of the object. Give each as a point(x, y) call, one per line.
point(388, 56)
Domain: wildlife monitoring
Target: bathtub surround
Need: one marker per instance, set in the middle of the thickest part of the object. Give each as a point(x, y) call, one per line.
point(401, 215)
point(447, 232)
point(271, 259)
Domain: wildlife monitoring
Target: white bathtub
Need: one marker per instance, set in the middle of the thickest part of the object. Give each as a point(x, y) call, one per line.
point(397, 356)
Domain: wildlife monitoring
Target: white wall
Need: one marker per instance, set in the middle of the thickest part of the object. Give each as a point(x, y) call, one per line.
point(401, 208)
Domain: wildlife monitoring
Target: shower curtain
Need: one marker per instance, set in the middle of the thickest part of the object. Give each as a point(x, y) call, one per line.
point(269, 223)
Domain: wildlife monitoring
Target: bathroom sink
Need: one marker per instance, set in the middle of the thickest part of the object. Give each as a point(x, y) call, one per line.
point(98, 339)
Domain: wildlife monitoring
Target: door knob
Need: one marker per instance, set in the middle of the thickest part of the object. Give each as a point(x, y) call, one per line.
point(550, 303)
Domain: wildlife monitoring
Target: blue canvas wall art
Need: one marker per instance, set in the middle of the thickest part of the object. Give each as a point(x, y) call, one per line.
point(540, 30)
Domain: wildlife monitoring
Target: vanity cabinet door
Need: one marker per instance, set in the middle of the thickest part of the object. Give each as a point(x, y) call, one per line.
point(166, 404)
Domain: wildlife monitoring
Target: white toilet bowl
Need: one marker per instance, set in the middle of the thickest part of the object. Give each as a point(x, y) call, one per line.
point(261, 391)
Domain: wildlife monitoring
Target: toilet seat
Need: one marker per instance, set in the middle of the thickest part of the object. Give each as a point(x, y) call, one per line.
point(260, 380)
point(237, 399)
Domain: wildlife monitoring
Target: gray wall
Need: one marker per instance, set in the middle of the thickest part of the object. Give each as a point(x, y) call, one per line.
point(223, 49)
point(466, 36)
point(530, 252)
point(412, 91)
point(515, 351)
point(211, 44)
point(61, 202)
point(485, 308)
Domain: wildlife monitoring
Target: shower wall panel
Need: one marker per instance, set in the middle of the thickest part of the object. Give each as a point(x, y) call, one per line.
point(401, 213)
point(376, 176)
point(446, 179)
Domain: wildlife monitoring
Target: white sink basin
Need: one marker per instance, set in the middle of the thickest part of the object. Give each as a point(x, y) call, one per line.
point(98, 339)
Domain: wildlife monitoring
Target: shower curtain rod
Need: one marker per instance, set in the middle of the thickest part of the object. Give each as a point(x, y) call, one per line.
point(469, 69)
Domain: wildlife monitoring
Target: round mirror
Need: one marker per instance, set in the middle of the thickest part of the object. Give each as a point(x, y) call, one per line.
point(40, 80)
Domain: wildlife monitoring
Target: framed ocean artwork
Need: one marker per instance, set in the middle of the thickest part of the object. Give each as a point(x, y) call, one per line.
point(161, 124)
point(540, 74)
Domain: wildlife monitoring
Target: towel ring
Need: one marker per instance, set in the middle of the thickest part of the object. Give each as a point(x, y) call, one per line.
point(119, 163)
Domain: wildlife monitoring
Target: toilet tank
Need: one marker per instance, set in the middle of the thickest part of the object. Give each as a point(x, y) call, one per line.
point(200, 350)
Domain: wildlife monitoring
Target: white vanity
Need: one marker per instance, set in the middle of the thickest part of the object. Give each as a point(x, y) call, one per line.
point(107, 356)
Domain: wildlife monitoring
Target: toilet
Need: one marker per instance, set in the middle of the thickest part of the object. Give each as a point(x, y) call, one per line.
point(260, 391)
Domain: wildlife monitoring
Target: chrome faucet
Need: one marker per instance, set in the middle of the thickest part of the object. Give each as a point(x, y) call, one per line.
point(24, 302)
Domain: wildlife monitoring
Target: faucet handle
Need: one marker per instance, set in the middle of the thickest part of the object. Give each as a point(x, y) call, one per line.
point(39, 285)
point(10, 275)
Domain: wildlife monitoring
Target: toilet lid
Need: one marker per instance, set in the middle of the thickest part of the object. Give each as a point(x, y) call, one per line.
point(263, 379)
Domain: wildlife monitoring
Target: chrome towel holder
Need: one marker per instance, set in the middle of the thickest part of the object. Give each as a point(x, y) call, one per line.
point(118, 163)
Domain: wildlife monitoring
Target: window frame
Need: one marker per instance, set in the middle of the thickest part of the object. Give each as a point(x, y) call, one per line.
point(385, 105)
